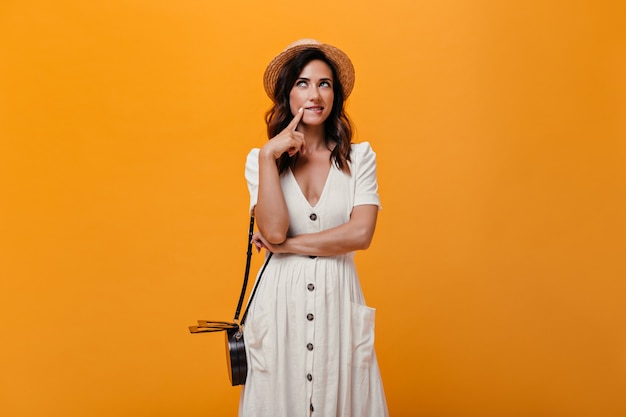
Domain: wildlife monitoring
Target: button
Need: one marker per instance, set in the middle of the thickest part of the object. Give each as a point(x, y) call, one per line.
point(310, 287)
point(312, 257)
point(309, 377)
point(313, 216)
point(310, 317)
point(309, 346)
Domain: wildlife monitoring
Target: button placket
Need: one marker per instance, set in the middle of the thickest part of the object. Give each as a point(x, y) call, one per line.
point(309, 314)
point(314, 228)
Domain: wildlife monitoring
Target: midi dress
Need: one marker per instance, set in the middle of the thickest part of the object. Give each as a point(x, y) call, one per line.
point(309, 334)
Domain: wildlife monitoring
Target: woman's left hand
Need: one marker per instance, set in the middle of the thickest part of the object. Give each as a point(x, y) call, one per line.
point(261, 243)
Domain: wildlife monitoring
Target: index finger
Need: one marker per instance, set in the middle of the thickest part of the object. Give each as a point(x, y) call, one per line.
point(296, 119)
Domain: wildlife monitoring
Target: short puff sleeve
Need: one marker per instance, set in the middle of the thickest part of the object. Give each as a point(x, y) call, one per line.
point(364, 169)
point(252, 176)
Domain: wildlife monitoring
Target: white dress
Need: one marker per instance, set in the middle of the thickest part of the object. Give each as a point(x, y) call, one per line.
point(309, 335)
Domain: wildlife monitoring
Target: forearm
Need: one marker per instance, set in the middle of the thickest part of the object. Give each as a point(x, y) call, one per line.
point(271, 209)
point(354, 235)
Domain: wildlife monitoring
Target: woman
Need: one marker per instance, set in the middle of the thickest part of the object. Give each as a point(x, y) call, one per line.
point(309, 335)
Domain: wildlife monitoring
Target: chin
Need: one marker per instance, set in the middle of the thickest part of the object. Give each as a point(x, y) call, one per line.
point(314, 121)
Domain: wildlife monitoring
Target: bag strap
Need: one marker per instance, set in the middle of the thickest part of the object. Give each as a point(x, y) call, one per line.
point(247, 271)
point(258, 280)
point(247, 274)
point(218, 326)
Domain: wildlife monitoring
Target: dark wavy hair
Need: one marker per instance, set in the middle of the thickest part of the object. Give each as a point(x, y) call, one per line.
point(337, 128)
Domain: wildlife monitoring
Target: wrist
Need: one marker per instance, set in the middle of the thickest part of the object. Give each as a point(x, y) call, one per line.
point(266, 155)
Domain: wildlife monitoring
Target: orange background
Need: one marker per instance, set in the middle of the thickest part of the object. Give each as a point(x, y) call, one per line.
point(498, 264)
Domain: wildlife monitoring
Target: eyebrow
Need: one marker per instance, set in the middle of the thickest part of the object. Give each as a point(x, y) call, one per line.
point(308, 79)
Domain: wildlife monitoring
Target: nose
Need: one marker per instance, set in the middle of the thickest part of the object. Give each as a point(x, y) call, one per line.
point(314, 93)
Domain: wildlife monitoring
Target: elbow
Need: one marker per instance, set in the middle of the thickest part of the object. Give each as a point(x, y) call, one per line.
point(365, 244)
point(273, 236)
point(364, 239)
point(276, 238)
point(362, 226)
point(273, 230)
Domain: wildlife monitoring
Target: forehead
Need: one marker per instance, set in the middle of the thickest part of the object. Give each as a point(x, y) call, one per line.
point(316, 69)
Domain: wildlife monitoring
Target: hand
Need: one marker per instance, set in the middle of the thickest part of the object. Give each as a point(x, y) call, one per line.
point(289, 140)
point(260, 243)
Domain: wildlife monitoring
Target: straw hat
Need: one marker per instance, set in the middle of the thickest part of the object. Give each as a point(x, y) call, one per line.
point(345, 69)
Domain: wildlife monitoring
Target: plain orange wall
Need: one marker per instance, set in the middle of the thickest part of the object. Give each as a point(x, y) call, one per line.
point(498, 265)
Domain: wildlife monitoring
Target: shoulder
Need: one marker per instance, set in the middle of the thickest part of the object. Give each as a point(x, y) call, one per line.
point(362, 152)
point(253, 157)
point(254, 153)
point(361, 148)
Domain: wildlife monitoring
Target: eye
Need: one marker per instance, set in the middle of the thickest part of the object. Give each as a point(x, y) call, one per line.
point(325, 84)
point(301, 83)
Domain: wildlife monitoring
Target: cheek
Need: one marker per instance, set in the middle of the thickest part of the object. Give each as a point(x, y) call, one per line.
point(295, 101)
point(329, 99)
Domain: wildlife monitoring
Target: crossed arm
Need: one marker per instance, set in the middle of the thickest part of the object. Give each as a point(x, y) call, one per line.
point(356, 234)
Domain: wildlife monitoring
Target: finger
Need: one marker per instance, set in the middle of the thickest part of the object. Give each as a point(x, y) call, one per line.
point(297, 143)
point(296, 119)
point(295, 149)
point(300, 137)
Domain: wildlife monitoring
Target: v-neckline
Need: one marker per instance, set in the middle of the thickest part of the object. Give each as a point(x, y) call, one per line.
point(322, 194)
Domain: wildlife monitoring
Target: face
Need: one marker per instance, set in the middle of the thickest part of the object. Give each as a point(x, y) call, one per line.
point(313, 91)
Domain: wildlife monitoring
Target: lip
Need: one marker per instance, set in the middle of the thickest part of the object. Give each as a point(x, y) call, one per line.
point(316, 109)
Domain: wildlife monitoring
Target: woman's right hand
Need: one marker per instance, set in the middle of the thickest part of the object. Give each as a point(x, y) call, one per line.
point(289, 140)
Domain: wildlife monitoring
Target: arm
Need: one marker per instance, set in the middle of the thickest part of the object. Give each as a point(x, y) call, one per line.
point(356, 234)
point(271, 209)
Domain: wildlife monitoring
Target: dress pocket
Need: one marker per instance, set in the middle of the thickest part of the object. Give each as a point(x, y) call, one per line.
point(255, 333)
point(362, 330)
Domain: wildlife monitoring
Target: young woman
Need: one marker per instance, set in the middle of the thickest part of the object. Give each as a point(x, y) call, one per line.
point(309, 335)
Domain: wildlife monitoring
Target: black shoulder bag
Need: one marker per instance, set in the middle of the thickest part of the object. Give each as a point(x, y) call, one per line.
point(235, 345)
